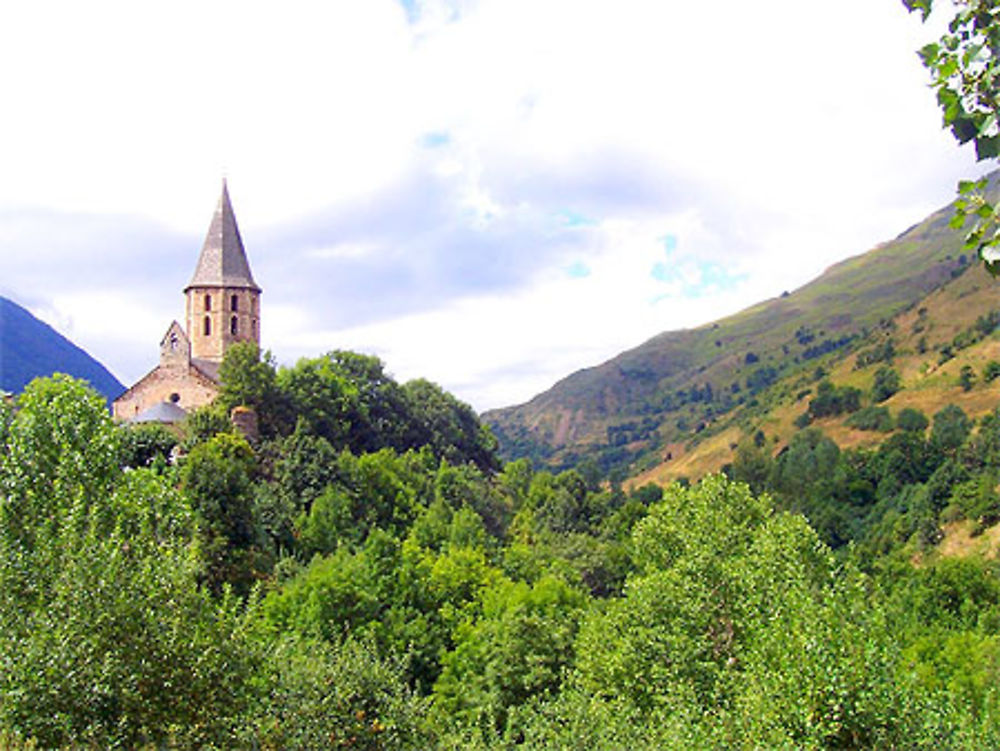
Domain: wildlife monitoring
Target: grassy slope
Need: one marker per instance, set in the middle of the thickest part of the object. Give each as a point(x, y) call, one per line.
point(928, 385)
point(852, 298)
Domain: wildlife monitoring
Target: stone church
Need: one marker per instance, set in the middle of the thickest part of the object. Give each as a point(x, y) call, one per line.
point(223, 307)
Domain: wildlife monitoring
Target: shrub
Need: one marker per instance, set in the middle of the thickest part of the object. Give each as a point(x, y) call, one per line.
point(912, 420)
point(871, 418)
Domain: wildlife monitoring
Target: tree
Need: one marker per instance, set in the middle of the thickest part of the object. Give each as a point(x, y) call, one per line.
point(449, 426)
point(739, 628)
point(951, 428)
point(912, 420)
point(144, 444)
point(991, 371)
point(106, 640)
point(59, 459)
point(967, 378)
point(217, 479)
point(965, 66)
point(886, 384)
point(517, 649)
point(833, 400)
point(249, 379)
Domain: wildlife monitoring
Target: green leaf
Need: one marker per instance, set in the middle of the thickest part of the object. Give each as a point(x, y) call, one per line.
point(987, 148)
point(947, 68)
point(989, 122)
point(924, 6)
point(928, 54)
point(964, 130)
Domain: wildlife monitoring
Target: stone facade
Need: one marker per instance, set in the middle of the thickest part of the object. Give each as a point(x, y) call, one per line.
point(223, 307)
point(219, 316)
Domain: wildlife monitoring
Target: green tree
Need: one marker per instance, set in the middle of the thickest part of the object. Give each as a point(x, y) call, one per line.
point(912, 420)
point(144, 444)
point(248, 378)
point(964, 66)
point(60, 459)
point(871, 418)
point(951, 427)
point(106, 639)
point(966, 378)
point(751, 465)
point(991, 371)
point(204, 423)
point(738, 628)
point(515, 650)
point(450, 427)
point(345, 695)
point(217, 478)
point(832, 400)
point(321, 398)
point(885, 384)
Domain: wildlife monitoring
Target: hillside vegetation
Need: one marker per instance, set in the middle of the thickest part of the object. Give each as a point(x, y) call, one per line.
point(676, 405)
point(367, 574)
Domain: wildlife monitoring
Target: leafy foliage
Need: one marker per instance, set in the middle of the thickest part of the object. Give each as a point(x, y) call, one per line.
point(964, 68)
point(299, 593)
point(886, 383)
point(872, 418)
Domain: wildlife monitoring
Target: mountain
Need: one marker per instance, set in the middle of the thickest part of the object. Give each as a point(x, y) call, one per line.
point(680, 388)
point(31, 348)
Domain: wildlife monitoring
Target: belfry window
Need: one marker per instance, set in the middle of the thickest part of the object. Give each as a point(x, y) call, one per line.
point(208, 326)
point(208, 303)
point(233, 325)
point(234, 303)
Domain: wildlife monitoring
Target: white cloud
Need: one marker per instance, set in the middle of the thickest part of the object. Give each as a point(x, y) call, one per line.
point(431, 179)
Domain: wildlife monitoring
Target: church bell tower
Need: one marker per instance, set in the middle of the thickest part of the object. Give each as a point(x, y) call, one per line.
point(223, 300)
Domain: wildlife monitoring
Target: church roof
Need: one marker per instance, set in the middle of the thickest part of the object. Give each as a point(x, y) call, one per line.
point(223, 261)
point(165, 412)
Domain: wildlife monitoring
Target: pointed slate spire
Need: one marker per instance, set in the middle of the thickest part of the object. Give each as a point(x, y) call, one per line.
point(223, 261)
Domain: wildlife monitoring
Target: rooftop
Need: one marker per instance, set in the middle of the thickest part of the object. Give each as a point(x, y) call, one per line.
point(223, 260)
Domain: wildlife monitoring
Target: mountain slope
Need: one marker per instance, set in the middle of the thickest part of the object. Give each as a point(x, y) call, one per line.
point(674, 386)
point(31, 348)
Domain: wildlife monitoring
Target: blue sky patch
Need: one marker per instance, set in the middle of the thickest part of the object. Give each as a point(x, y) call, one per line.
point(570, 218)
point(690, 276)
point(578, 270)
point(435, 140)
point(412, 12)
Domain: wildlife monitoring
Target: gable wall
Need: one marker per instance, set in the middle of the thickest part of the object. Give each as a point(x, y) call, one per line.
point(194, 390)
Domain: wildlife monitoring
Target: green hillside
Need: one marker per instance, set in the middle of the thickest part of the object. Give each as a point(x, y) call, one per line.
point(30, 348)
point(680, 391)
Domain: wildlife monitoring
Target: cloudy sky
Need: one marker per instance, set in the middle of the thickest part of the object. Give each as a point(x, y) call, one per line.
point(487, 193)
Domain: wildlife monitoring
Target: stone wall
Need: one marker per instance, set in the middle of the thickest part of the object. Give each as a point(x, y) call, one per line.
point(215, 305)
point(193, 389)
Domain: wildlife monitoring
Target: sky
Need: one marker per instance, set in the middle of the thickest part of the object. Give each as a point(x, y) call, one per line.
point(491, 194)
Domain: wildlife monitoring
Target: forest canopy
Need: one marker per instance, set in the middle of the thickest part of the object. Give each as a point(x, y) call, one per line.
point(336, 582)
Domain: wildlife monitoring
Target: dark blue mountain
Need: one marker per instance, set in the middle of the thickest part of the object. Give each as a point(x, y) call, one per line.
point(30, 348)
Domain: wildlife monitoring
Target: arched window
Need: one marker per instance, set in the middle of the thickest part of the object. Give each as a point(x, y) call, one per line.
point(233, 326)
point(234, 303)
point(253, 305)
point(208, 303)
point(253, 327)
point(208, 326)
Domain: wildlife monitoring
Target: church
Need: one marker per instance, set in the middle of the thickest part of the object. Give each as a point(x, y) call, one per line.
point(222, 307)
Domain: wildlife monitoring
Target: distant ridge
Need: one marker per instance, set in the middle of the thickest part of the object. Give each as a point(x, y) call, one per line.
point(669, 394)
point(30, 348)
